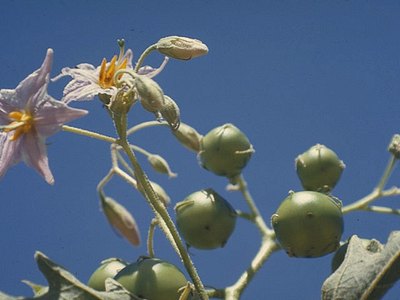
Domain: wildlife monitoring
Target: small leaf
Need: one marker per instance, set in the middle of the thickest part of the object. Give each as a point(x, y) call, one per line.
point(365, 275)
point(63, 285)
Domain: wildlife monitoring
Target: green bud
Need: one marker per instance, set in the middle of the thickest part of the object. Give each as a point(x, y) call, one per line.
point(150, 93)
point(160, 165)
point(170, 113)
point(225, 151)
point(121, 220)
point(319, 169)
point(119, 104)
point(181, 47)
point(161, 193)
point(188, 137)
point(394, 146)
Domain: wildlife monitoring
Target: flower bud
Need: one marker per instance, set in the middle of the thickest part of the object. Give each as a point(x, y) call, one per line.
point(160, 165)
point(161, 193)
point(150, 93)
point(121, 220)
point(181, 47)
point(121, 102)
point(225, 151)
point(394, 146)
point(188, 137)
point(170, 112)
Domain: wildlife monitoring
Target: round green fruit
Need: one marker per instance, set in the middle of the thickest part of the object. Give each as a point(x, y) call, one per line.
point(308, 224)
point(319, 169)
point(205, 219)
point(225, 151)
point(108, 269)
point(152, 279)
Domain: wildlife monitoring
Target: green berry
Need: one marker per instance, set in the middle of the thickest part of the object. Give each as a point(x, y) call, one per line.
point(225, 151)
point(153, 279)
point(205, 219)
point(308, 224)
point(108, 269)
point(319, 169)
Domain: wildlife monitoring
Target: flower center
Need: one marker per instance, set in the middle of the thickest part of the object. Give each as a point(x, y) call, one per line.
point(106, 76)
point(21, 124)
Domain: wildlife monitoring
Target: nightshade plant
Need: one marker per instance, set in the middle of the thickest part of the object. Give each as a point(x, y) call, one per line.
point(308, 223)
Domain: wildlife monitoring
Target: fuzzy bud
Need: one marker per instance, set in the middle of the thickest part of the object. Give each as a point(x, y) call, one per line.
point(150, 93)
point(188, 137)
point(160, 165)
point(181, 47)
point(394, 146)
point(121, 220)
point(171, 113)
point(161, 193)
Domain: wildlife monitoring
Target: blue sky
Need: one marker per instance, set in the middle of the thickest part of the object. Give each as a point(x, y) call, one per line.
point(289, 74)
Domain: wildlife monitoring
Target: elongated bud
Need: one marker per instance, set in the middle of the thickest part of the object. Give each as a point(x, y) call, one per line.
point(181, 47)
point(171, 113)
point(121, 220)
point(161, 193)
point(188, 137)
point(394, 146)
point(160, 165)
point(150, 93)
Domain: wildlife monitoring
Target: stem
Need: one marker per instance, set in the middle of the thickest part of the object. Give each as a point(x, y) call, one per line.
point(388, 171)
point(383, 210)
point(150, 237)
point(256, 216)
point(88, 133)
point(268, 246)
point(145, 125)
point(377, 192)
point(161, 210)
point(143, 56)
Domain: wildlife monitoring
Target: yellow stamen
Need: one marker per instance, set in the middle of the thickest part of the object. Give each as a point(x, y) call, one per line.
point(106, 76)
point(23, 123)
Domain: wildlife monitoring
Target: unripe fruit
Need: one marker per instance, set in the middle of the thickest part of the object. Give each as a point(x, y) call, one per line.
point(319, 169)
point(308, 224)
point(153, 279)
point(205, 219)
point(225, 151)
point(108, 269)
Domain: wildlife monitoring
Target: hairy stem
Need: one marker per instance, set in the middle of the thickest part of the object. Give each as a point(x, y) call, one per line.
point(377, 192)
point(157, 205)
point(256, 216)
point(88, 133)
point(143, 56)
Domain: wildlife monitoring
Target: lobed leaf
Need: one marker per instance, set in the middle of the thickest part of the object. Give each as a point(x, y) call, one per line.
point(365, 275)
point(63, 285)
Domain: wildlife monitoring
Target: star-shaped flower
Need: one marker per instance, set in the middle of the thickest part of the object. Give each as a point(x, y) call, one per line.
point(28, 115)
point(89, 81)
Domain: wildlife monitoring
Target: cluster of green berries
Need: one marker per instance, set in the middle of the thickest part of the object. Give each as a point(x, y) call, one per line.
point(204, 218)
point(147, 278)
point(309, 223)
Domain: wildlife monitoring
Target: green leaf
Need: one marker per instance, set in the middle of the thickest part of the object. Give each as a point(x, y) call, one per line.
point(365, 275)
point(64, 286)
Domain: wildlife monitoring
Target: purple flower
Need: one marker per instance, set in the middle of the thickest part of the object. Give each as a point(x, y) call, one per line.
point(28, 115)
point(89, 81)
